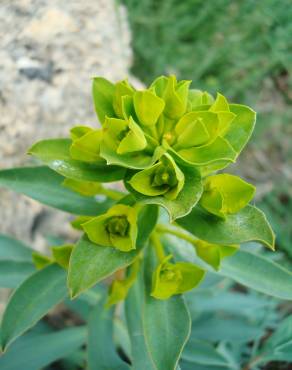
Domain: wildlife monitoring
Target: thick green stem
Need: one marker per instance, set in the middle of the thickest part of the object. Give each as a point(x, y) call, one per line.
point(180, 234)
point(155, 240)
point(112, 194)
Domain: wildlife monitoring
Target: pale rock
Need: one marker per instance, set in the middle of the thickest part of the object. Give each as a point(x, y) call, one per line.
point(77, 40)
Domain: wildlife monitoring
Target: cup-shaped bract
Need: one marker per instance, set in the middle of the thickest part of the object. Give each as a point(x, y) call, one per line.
point(119, 289)
point(85, 145)
point(226, 194)
point(163, 178)
point(199, 135)
point(116, 228)
point(174, 94)
point(122, 88)
point(148, 107)
point(197, 98)
point(124, 143)
point(212, 254)
point(175, 278)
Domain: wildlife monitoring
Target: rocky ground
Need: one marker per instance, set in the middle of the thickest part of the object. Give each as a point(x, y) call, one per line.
point(49, 51)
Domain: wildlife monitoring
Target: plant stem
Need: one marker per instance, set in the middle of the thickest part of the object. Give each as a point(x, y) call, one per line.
point(251, 364)
point(112, 194)
point(180, 234)
point(154, 238)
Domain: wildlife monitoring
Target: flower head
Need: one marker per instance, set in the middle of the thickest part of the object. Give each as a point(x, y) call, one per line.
point(116, 228)
point(164, 178)
point(226, 194)
point(174, 278)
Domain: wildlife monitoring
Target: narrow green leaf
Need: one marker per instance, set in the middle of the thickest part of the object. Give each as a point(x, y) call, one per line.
point(166, 324)
point(259, 273)
point(90, 263)
point(214, 329)
point(56, 154)
point(45, 186)
point(12, 272)
point(36, 351)
point(14, 250)
point(278, 347)
point(249, 224)
point(185, 365)
point(101, 349)
point(203, 353)
point(281, 336)
point(140, 357)
point(31, 301)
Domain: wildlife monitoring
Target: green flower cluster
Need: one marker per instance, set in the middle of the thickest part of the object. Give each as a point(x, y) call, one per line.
point(166, 143)
point(167, 137)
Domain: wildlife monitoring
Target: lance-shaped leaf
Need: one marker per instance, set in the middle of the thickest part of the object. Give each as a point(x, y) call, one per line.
point(199, 352)
point(14, 250)
point(13, 273)
point(251, 270)
point(279, 344)
point(90, 263)
point(166, 324)
point(56, 154)
point(249, 224)
point(38, 350)
point(148, 107)
point(187, 193)
point(15, 262)
point(259, 273)
point(140, 357)
point(102, 354)
point(31, 301)
point(103, 94)
point(45, 186)
point(226, 194)
point(116, 228)
point(175, 278)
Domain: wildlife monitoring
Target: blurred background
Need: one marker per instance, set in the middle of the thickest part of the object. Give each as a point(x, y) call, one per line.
point(49, 50)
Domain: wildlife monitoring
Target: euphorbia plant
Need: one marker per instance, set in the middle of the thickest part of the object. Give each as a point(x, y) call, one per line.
point(164, 145)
